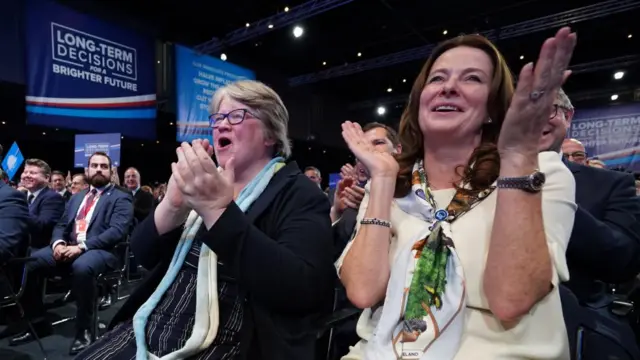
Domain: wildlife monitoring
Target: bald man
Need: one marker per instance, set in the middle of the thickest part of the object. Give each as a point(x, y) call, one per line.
point(574, 151)
point(142, 200)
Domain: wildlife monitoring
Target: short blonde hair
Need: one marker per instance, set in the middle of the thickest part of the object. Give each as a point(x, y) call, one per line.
point(265, 104)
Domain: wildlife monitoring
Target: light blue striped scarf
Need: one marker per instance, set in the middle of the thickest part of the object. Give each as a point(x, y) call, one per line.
point(205, 327)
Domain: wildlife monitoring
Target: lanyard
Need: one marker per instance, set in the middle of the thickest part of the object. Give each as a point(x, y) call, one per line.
point(89, 202)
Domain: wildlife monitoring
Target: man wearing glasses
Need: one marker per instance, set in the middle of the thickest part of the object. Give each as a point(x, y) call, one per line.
point(604, 247)
point(573, 150)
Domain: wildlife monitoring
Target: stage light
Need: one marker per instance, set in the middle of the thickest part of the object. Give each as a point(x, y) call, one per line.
point(359, 54)
point(44, 133)
point(223, 57)
point(121, 137)
point(404, 80)
point(286, 9)
point(389, 90)
point(614, 97)
point(4, 123)
point(157, 141)
point(171, 123)
point(270, 26)
point(324, 63)
point(618, 75)
point(521, 57)
point(247, 24)
point(158, 61)
point(629, 36)
point(298, 31)
point(381, 110)
point(445, 32)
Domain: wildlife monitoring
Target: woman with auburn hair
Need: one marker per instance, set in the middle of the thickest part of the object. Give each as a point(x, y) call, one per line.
point(460, 242)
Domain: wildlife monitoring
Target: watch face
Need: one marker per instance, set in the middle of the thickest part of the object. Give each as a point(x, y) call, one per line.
point(537, 180)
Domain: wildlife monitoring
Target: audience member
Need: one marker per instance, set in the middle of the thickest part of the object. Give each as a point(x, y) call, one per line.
point(14, 222)
point(82, 243)
point(79, 183)
point(449, 250)
point(271, 246)
point(574, 151)
point(46, 206)
point(142, 201)
point(605, 241)
point(314, 175)
point(59, 184)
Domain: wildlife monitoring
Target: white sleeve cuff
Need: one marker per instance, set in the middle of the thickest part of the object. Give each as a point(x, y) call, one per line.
point(57, 242)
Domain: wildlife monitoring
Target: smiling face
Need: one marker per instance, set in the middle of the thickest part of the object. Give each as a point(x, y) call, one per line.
point(244, 141)
point(453, 102)
point(33, 178)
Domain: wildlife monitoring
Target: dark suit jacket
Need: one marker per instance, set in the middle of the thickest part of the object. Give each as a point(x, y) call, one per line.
point(604, 248)
point(279, 253)
point(45, 210)
point(14, 222)
point(142, 204)
point(605, 242)
point(67, 195)
point(110, 223)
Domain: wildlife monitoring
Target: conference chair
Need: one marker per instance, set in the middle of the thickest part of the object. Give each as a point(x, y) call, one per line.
point(17, 266)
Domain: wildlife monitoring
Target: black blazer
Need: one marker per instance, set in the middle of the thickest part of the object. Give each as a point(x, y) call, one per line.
point(142, 205)
point(605, 242)
point(14, 222)
point(279, 253)
point(45, 212)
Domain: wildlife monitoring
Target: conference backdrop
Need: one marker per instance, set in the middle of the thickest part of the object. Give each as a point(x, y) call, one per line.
point(87, 145)
point(611, 134)
point(85, 74)
point(197, 78)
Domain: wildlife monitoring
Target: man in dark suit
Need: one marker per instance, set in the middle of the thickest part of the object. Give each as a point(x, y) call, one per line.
point(142, 200)
point(604, 248)
point(45, 205)
point(59, 184)
point(95, 221)
point(14, 221)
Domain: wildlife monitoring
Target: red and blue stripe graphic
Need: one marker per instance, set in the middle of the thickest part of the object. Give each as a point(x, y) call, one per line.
point(129, 107)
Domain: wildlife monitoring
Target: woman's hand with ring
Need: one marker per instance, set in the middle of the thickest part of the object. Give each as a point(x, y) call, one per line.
point(534, 95)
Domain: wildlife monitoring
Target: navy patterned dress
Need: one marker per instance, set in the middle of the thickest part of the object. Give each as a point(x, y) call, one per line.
point(171, 323)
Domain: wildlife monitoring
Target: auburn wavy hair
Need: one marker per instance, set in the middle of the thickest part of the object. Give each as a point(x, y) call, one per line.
point(483, 166)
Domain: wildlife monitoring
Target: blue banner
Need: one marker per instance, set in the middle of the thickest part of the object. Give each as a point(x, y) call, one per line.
point(87, 145)
point(88, 75)
point(197, 78)
point(610, 134)
point(334, 179)
point(12, 161)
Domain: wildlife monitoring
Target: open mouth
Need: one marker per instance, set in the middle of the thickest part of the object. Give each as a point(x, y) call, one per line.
point(446, 108)
point(223, 142)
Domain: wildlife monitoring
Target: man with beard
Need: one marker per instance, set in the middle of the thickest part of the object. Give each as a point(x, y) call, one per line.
point(95, 221)
point(604, 248)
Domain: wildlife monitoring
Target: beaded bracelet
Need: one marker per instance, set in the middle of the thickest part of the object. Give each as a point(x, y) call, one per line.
point(375, 221)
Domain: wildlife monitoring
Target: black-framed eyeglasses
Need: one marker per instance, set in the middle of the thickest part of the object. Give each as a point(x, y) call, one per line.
point(554, 110)
point(576, 155)
point(235, 117)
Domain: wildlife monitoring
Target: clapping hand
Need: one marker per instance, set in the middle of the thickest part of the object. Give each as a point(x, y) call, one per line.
point(380, 164)
point(534, 96)
point(347, 171)
point(202, 186)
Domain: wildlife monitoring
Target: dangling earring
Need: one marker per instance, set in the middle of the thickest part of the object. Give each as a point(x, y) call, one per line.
point(489, 121)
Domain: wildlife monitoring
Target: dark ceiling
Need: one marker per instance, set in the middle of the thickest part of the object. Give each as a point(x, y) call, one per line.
point(374, 28)
point(379, 27)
